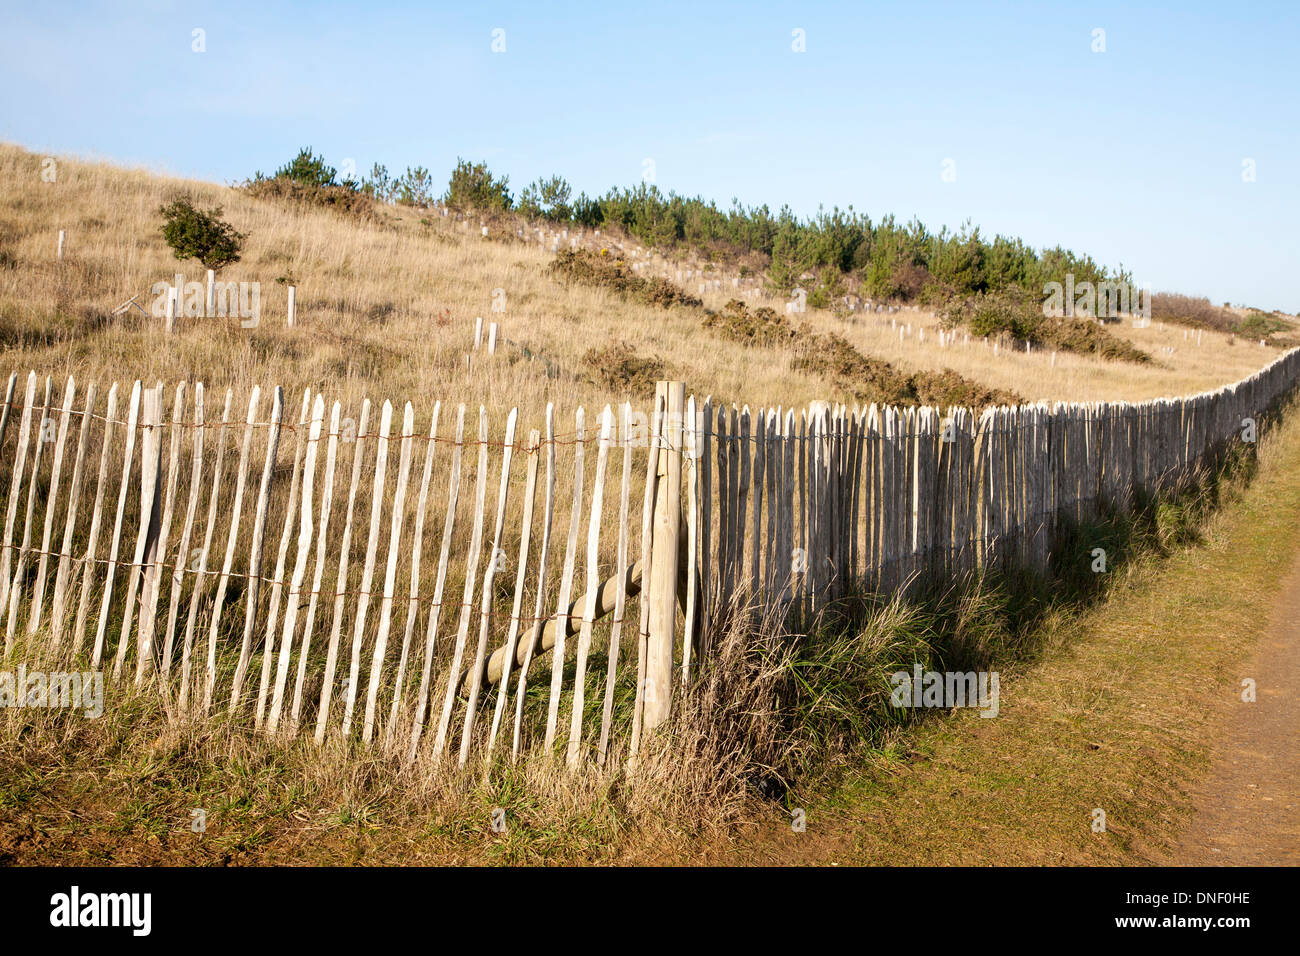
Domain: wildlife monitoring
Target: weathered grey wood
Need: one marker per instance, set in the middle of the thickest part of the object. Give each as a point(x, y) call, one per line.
point(772, 473)
point(471, 576)
point(89, 561)
point(800, 566)
point(521, 577)
point(566, 585)
point(885, 496)
point(691, 438)
point(133, 417)
point(16, 488)
point(253, 587)
point(51, 503)
point(542, 562)
point(855, 478)
point(662, 591)
point(25, 547)
point(305, 529)
point(232, 539)
point(593, 586)
point(340, 587)
point(887, 511)
point(758, 443)
point(58, 612)
point(13, 584)
point(413, 598)
point(486, 591)
point(788, 542)
point(147, 536)
point(647, 553)
point(368, 571)
point(201, 566)
point(744, 448)
point(148, 613)
point(724, 441)
point(620, 602)
point(300, 429)
point(706, 530)
point(390, 574)
point(318, 574)
point(7, 408)
point(435, 609)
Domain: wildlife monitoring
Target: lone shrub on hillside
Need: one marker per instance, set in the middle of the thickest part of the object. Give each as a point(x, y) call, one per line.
point(195, 234)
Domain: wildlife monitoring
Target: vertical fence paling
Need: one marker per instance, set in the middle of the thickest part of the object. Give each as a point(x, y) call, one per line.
point(767, 511)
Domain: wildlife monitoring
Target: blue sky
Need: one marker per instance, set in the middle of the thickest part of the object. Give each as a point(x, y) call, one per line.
point(1133, 155)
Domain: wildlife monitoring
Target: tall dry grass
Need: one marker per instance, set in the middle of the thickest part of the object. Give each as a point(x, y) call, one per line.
point(386, 310)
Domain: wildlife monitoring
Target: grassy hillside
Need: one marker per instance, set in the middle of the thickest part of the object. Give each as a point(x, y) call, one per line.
point(386, 303)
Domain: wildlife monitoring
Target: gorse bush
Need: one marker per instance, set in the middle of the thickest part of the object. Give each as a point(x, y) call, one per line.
point(620, 369)
point(593, 269)
point(837, 361)
point(195, 234)
point(1016, 314)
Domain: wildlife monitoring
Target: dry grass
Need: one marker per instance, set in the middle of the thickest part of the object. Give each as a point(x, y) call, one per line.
point(1120, 714)
point(386, 310)
point(123, 789)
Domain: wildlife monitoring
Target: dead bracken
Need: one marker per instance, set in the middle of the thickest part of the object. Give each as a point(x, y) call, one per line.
point(834, 358)
point(603, 271)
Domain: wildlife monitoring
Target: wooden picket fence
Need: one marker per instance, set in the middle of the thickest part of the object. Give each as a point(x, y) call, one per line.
point(397, 581)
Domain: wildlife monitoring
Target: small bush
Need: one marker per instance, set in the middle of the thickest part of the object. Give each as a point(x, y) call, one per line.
point(1193, 311)
point(618, 368)
point(195, 234)
point(763, 326)
point(870, 379)
point(596, 269)
point(835, 359)
point(1014, 313)
point(1264, 325)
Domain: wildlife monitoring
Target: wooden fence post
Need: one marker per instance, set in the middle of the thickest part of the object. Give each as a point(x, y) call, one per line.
point(662, 594)
point(173, 304)
point(289, 321)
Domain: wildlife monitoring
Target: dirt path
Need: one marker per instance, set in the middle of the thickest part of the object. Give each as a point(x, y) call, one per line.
point(1247, 806)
